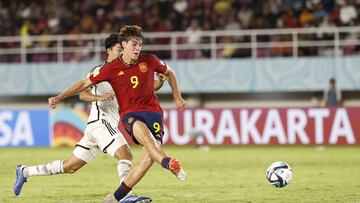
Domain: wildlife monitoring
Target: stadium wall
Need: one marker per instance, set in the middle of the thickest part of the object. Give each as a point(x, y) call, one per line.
point(30, 126)
point(200, 76)
point(237, 126)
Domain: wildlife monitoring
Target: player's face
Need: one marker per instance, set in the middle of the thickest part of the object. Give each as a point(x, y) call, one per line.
point(114, 52)
point(132, 48)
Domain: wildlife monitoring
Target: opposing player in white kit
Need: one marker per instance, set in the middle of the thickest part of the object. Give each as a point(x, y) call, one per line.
point(101, 133)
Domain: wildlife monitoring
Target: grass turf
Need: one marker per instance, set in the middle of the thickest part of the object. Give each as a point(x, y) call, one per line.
point(223, 174)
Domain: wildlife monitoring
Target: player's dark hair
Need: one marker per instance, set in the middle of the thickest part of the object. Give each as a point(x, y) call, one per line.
point(129, 32)
point(111, 41)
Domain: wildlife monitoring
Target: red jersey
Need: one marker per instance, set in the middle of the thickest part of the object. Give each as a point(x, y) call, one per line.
point(133, 84)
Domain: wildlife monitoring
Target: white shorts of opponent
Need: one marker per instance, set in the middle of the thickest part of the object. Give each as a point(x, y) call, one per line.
point(99, 136)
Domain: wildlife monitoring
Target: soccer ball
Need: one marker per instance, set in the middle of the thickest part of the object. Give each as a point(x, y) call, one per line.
point(279, 174)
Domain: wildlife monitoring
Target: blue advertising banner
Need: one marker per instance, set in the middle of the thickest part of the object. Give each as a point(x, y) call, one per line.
point(24, 128)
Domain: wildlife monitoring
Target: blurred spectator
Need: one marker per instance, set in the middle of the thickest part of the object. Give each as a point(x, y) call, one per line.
point(289, 20)
point(25, 32)
point(222, 6)
point(306, 17)
point(193, 32)
point(180, 6)
point(332, 95)
point(319, 11)
point(232, 23)
point(245, 15)
point(348, 14)
point(229, 49)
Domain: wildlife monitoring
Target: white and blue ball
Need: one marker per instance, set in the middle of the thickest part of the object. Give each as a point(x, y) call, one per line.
point(279, 174)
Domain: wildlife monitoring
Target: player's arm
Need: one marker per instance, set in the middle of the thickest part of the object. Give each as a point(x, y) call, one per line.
point(86, 95)
point(72, 90)
point(158, 83)
point(180, 102)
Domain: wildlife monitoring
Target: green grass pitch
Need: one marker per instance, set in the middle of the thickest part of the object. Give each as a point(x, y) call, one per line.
point(223, 174)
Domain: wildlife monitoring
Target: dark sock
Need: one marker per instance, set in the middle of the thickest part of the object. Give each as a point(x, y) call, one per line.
point(122, 191)
point(165, 162)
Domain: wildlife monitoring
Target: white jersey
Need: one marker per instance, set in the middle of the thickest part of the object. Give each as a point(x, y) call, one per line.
point(107, 109)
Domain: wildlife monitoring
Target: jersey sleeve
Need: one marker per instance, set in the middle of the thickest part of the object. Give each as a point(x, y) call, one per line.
point(101, 73)
point(159, 66)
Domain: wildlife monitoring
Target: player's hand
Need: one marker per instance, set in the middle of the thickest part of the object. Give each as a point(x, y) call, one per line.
point(106, 96)
point(53, 101)
point(180, 104)
point(161, 77)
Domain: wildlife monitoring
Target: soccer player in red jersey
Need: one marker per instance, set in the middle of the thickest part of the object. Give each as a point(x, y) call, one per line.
point(132, 77)
point(101, 133)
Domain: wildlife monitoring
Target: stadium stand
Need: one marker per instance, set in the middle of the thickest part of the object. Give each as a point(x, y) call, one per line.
point(193, 18)
point(37, 17)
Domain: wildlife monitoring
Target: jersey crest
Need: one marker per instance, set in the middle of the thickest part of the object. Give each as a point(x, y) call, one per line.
point(143, 67)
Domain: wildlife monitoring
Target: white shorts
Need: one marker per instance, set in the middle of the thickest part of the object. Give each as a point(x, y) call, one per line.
point(99, 136)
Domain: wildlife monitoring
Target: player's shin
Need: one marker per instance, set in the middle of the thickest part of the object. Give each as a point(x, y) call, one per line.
point(54, 167)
